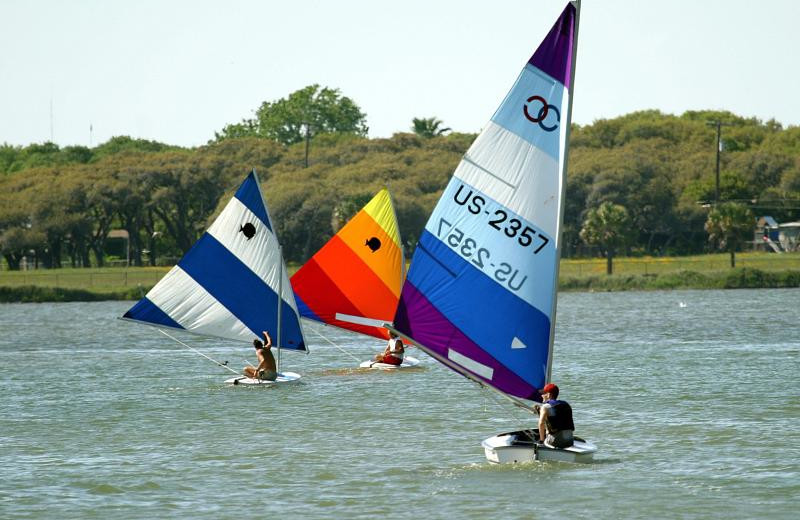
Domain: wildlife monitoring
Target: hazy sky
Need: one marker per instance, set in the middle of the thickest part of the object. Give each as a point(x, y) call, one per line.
point(177, 71)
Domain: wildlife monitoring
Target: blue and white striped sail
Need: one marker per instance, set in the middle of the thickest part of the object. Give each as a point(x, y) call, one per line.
point(227, 285)
point(480, 291)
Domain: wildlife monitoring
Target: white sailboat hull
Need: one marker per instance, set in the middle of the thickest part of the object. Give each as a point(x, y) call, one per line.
point(283, 377)
point(517, 447)
point(408, 362)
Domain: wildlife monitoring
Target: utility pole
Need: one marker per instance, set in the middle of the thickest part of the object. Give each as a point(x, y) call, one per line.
point(52, 135)
point(719, 124)
point(308, 140)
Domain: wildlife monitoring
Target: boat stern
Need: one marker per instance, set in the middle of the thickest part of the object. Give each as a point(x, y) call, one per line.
point(517, 447)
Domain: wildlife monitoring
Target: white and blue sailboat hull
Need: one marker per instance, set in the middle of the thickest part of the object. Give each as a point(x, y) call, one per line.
point(518, 447)
point(283, 377)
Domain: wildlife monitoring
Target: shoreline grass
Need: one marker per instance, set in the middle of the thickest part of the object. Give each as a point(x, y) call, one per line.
point(754, 270)
point(738, 278)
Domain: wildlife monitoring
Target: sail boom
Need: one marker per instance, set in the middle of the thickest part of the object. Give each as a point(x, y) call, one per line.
point(360, 320)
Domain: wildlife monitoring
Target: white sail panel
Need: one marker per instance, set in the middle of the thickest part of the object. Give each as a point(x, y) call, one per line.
point(260, 252)
point(516, 174)
point(191, 306)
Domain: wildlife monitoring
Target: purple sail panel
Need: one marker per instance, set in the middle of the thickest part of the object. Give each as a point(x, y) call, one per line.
point(418, 319)
point(554, 55)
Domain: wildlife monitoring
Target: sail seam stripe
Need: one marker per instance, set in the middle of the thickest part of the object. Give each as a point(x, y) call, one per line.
point(422, 248)
point(467, 159)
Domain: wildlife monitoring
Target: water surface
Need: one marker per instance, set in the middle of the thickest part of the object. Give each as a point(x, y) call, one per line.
point(692, 397)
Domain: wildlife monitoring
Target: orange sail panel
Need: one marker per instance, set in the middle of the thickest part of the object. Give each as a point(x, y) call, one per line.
point(354, 281)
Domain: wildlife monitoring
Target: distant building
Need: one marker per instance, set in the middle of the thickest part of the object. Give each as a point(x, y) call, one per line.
point(771, 236)
point(789, 236)
point(765, 236)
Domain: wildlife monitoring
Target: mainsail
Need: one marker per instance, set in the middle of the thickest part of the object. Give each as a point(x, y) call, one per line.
point(480, 294)
point(227, 284)
point(354, 280)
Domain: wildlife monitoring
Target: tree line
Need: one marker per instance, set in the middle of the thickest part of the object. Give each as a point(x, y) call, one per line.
point(640, 184)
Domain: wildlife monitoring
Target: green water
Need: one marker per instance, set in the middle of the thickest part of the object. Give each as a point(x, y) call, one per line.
point(694, 408)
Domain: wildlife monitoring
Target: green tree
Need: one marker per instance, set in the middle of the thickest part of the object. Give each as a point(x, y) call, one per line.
point(307, 112)
point(728, 226)
point(15, 223)
point(428, 127)
point(608, 227)
point(123, 143)
point(8, 156)
point(184, 195)
point(790, 181)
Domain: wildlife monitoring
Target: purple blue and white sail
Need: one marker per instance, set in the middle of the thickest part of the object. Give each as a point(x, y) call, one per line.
point(227, 285)
point(480, 292)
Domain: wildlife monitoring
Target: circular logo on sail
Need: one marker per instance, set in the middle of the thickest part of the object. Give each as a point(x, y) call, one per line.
point(373, 244)
point(541, 116)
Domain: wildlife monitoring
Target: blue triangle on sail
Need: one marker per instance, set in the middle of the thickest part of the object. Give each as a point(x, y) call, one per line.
point(240, 290)
point(146, 311)
point(249, 194)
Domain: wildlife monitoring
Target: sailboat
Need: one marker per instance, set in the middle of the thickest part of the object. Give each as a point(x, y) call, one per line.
point(353, 282)
point(480, 296)
point(232, 284)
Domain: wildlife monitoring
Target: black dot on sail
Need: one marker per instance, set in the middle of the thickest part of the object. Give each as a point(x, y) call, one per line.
point(373, 243)
point(249, 230)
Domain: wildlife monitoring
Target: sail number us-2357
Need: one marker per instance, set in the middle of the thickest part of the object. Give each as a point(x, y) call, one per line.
point(480, 257)
point(510, 227)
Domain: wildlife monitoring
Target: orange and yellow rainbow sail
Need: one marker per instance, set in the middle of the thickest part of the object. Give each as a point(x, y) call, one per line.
point(354, 281)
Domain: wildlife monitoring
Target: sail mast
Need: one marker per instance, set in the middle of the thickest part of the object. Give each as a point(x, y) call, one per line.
point(571, 89)
point(280, 304)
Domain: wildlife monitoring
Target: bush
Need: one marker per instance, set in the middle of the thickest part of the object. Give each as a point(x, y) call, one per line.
point(748, 278)
point(34, 294)
point(740, 278)
point(787, 278)
point(682, 279)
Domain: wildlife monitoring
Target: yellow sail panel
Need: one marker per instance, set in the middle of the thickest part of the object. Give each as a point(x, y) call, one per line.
point(358, 273)
point(381, 210)
point(376, 248)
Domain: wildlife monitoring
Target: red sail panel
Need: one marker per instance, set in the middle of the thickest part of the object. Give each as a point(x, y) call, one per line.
point(337, 281)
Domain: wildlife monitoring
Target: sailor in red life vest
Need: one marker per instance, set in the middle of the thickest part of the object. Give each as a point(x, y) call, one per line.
point(555, 419)
point(393, 354)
